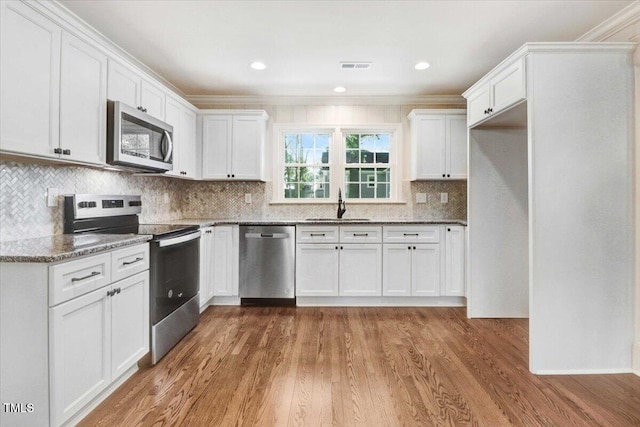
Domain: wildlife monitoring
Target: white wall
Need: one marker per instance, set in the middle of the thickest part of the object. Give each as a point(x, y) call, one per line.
point(622, 27)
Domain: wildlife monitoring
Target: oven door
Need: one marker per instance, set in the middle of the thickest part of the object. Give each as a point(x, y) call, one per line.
point(137, 140)
point(175, 272)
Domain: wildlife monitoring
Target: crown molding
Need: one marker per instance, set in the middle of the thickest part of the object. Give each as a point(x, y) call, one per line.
point(204, 101)
point(616, 23)
point(77, 25)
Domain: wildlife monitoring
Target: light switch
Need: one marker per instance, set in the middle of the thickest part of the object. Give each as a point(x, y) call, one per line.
point(247, 198)
point(444, 197)
point(421, 197)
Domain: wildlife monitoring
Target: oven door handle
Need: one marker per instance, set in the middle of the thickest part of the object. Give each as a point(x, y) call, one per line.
point(177, 240)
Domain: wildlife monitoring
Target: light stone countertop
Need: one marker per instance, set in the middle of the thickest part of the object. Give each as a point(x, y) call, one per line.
point(61, 247)
point(206, 222)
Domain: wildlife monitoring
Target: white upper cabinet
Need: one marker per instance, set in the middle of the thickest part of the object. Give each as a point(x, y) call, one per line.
point(83, 101)
point(438, 144)
point(506, 88)
point(183, 121)
point(30, 81)
point(128, 86)
point(233, 144)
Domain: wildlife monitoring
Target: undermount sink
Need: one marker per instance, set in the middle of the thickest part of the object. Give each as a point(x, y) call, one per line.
point(339, 219)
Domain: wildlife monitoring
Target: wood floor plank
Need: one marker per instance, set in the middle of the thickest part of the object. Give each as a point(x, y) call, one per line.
point(268, 366)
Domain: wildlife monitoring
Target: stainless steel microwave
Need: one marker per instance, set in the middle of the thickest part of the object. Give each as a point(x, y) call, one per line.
point(136, 141)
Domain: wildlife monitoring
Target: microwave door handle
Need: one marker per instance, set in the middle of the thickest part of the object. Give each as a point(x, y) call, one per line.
point(170, 149)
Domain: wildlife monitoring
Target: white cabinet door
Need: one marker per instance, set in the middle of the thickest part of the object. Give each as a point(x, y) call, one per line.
point(396, 269)
point(173, 111)
point(361, 269)
point(80, 352)
point(123, 84)
point(508, 87)
point(83, 96)
point(430, 150)
point(129, 322)
point(246, 157)
point(188, 153)
point(477, 104)
point(29, 81)
point(456, 147)
point(427, 268)
point(225, 277)
point(455, 261)
point(317, 269)
point(207, 261)
point(152, 99)
point(216, 146)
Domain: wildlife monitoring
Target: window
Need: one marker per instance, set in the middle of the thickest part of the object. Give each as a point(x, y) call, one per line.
point(312, 163)
point(367, 174)
point(307, 172)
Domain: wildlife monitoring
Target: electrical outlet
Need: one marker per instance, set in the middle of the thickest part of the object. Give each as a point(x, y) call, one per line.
point(444, 197)
point(166, 198)
point(247, 198)
point(52, 197)
point(421, 197)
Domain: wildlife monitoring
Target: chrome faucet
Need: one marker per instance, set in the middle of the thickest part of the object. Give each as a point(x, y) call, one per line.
point(342, 206)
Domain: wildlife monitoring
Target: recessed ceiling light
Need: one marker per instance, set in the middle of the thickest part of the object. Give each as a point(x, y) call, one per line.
point(339, 89)
point(257, 65)
point(422, 65)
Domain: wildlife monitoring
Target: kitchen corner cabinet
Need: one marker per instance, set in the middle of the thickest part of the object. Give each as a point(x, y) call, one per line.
point(438, 144)
point(128, 86)
point(503, 90)
point(207, 260)
point(226, 258)
point(76, 328)
point(53, 92)
point(233, 144)
point(183, 121)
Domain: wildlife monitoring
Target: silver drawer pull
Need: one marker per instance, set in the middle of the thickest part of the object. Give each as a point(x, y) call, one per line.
point(77, 279)
point(317, 234)
point(360, 234)
point(411, 234)
point(132, 262)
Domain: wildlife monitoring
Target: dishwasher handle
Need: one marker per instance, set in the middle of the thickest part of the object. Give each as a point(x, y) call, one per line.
point(266, 235)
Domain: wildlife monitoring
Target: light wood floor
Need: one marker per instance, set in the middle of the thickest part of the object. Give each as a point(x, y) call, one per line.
point(258, 366)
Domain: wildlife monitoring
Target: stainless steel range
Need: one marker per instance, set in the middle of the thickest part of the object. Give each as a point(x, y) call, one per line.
point(174, 268)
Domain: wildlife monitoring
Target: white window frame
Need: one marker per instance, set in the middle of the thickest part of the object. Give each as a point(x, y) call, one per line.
point(337, 160)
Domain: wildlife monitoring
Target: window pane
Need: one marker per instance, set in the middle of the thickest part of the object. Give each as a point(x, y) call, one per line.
point(307, 140)
point(366, 156)
point(352, 156)
point(383, 175)
point(292, 148)
point(308, 156)
point(306, 191)
point(366, 174)
point(324, 175)
point(352, 175)
point(368, 142)
point(324, 156)
point(383, 191)
point(291, 191)
point(352, 191)
point(352, 141)
point(382, 143)
point(367, 191)
point(307, 174)
point(322, 141)
point(290, 174)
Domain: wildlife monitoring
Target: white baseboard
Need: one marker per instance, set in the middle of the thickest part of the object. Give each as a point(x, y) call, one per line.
point(635, 364)
point(381, 301)
point(225, 301)
point(99, 398)
point(581, 371)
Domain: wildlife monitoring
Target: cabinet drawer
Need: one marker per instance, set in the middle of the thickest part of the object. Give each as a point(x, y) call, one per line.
point(361, 234)
point(129, 261)
point(317, 234)
point(411, 234)
point(74, 278)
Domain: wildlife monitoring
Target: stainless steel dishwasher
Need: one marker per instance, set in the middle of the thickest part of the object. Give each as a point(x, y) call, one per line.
point(267, 265)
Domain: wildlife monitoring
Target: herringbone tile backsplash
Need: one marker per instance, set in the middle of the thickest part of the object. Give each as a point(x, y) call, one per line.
point(24, 212)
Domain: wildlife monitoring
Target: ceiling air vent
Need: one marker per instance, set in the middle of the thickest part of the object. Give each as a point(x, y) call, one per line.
point(355, 65)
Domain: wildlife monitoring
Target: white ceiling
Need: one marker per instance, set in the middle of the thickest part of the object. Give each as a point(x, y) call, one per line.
point(204, 47)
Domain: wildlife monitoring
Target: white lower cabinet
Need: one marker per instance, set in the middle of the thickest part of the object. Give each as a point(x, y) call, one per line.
point(207, 245)
point(455, 251)
point(411, 269)
point(360, 269)
point(226, 253)
point(317, 269)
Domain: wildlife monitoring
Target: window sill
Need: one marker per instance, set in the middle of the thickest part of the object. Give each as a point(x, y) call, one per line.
point(335, 202)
